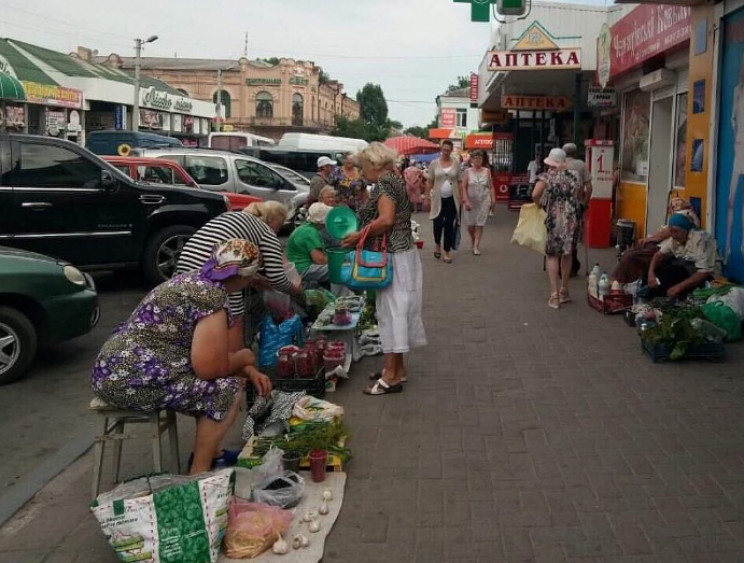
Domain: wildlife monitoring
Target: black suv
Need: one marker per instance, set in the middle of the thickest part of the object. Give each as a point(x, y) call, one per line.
point(57, 198)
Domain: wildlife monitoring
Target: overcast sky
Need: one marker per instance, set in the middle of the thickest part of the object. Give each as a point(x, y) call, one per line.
point(413, 48)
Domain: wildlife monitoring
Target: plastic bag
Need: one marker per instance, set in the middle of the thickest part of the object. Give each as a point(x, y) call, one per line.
point(284, 491)
point(723, 317)
point(734, 299)
point(273, 336)
point(531, 231)
point(279, 304)
point(316, 410)
point(253, 528)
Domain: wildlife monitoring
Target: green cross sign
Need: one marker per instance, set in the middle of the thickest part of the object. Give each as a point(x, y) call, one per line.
point(480, 10)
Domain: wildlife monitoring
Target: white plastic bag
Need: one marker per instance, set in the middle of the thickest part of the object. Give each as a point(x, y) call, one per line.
point(531, 231)
point(316, 410)
point(734, 299)
point(284, 491)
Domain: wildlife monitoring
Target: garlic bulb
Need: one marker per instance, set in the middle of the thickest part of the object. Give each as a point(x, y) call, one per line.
point(327, 495)
point(323, 508)
point(280, 546)
point(297, 542)
point(304, 541)
point(308, 516)
point(314, 526)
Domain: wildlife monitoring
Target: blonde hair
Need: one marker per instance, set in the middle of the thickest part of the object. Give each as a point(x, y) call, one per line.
point(326, 190)
point(378, 156)
point(268, 211)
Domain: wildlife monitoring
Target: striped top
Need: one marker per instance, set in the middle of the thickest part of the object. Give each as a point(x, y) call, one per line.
point(399, 238)
point(236, 224)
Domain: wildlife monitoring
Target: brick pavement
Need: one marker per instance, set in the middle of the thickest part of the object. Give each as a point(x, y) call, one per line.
point(524, 434)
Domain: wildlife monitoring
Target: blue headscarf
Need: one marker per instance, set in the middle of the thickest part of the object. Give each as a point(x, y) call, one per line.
point(682, 221)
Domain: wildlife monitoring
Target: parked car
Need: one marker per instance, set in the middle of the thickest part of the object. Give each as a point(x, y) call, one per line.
point(122, 142)
point(42, 301)
point(164, 171)
point(233, 173)
point(59, 199)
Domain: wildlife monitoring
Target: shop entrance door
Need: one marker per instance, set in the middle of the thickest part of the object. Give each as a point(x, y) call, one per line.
point(660, 163)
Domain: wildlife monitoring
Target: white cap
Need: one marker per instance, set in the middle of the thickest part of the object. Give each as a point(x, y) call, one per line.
point(325, 161)
point(317, 212)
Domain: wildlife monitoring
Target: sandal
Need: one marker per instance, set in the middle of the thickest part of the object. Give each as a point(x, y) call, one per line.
point(555, 301)
point(447, 259)
point(382, 387)
point(476, 252)
point(564, 296)
point(437, 255)
point(378, 374)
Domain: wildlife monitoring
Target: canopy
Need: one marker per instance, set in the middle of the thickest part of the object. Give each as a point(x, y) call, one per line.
point(406, 145)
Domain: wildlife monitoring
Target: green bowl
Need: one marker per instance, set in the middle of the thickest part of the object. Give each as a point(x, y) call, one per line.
point(341, 221)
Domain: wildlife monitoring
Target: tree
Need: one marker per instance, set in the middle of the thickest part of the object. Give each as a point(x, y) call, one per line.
point(272, 61)
point(396, 125)
point(417, 131)
point(323, 77)
point(360, 129)
point(462, 82)
point(374, 108)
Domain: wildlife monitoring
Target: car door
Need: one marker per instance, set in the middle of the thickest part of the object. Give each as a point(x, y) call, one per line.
point(259, 180)
point(7, 210)
point(63, 209)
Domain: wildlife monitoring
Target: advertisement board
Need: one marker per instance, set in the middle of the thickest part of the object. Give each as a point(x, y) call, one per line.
point(448, 117)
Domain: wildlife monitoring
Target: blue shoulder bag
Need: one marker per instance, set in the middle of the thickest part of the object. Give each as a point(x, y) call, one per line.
point(367, 269)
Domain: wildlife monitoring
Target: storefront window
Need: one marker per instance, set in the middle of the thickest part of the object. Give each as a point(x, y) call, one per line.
point(680, 153)
point(264, 105)
point(297, 109)
point(635, 136)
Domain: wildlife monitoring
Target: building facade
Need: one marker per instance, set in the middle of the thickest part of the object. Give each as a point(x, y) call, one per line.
point(456, 117)
point(256, 96)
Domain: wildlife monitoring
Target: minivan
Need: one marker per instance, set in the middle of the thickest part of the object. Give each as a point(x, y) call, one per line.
point(59, 199)
point(121, 142)
point(229, 141)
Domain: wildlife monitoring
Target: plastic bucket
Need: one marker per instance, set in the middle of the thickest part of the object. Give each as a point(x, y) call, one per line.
point(336, 258)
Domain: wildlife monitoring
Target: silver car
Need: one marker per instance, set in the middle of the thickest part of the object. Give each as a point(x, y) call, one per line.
point(223, 171)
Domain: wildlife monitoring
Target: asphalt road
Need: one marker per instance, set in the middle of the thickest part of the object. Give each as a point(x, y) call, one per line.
point(45, 424)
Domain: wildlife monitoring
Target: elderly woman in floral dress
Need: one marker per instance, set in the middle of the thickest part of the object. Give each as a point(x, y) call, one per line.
point(173, 352)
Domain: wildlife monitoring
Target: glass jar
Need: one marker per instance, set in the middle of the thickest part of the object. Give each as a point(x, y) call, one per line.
point(305, 364)
point(285, 366)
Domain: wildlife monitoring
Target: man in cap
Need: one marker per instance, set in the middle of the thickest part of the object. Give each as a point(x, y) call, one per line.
point(584, 195)
point(305, 246)
point(321, 179)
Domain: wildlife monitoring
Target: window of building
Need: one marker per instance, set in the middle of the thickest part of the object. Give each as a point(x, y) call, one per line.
point(297, 109)
point(207, 170)
point(264, 104)
point(47, 166)
point(462, 118)
point(226, 102)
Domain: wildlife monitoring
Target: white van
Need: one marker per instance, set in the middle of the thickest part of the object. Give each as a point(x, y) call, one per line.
point(225, 141)
point(309, 142)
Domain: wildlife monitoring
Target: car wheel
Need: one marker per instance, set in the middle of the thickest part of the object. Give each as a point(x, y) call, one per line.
point(18, 341)
point(162, 252)
point(299, 218)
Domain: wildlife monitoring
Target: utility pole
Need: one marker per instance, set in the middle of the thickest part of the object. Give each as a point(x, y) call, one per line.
point(137, 55)
point(245, 46)
point(219, 100)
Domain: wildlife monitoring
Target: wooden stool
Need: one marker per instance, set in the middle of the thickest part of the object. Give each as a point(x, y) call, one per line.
point(113, 419)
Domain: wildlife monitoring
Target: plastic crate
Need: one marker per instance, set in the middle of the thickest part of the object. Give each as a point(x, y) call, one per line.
point(612, 303)
point(710, 351)
point(315, 386)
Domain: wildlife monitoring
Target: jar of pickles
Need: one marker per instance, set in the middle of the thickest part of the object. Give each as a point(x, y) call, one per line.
point(285, 365)
point(305, 364)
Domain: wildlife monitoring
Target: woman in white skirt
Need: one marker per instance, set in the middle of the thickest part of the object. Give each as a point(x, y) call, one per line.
point(387, 213)
point(477, 194)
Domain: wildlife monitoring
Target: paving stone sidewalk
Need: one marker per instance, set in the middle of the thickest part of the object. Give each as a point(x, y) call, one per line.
point(524, 434)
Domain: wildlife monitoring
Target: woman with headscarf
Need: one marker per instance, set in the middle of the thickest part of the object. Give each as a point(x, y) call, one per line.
point(684, 261)
point(173, 352)
point(556, 191)
point(634, 262)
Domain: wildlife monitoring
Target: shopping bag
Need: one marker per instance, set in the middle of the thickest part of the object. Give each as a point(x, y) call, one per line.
point(273, 335)
point(167, 518)
point(531, 232)
point(724, 317)
point(367, 269)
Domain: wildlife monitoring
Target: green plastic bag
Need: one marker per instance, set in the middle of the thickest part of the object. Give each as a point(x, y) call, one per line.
point(725, 318)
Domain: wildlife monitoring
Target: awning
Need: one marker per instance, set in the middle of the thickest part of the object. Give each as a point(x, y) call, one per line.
point(440, 133)
point(406, 145)
point(10, 88)
point(479, 141)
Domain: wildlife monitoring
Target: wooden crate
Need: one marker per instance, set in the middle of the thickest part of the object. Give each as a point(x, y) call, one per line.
point(246, 459)
point(612, 303)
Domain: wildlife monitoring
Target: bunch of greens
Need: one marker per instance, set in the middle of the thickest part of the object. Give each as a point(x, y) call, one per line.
point(306, 437)
point(674, 329)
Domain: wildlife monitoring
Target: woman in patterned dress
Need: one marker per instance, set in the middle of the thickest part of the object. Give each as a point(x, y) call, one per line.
point(173, 351)
point(350, 187)
point(556, 191)
point(477, 194)
point(388, 213)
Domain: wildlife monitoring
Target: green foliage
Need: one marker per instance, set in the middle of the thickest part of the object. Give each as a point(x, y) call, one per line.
point(323, 77)
point(374, 108)
point(272, 60)
point(462, 82)
point(674, 329)
point(359, 129)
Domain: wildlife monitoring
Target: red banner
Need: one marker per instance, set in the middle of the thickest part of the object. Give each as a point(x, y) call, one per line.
point(473, 87)
point(647, 31)
point(448, 118)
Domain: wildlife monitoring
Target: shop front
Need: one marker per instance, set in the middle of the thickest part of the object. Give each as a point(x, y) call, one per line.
point(648, 65)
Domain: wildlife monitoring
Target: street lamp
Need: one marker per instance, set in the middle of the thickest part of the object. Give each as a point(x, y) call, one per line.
point(137, 54)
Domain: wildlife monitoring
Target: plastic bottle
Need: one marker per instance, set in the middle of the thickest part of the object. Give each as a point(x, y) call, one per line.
point(593, 282)
point(604, 285)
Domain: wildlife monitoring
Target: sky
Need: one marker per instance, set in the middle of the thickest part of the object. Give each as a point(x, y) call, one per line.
point(414, 49)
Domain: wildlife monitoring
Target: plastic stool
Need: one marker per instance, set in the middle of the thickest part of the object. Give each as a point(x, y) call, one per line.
point(113, 420)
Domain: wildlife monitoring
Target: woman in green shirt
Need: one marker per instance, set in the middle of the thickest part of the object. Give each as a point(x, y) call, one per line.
point(305, 246)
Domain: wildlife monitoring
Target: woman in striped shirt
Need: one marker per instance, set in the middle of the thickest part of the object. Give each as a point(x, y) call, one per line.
point(258, 223)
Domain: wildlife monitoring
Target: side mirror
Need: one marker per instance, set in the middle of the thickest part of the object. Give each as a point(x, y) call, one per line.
point(107, 180)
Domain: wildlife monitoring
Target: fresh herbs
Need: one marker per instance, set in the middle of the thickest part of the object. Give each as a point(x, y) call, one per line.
point(305, 437)
point(674, 329)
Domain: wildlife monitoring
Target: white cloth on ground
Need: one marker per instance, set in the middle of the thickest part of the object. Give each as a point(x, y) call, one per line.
point(399, 305)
